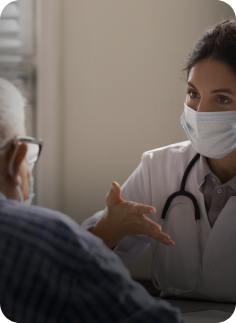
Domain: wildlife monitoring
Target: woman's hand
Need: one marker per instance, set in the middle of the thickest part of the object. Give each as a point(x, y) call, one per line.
point(127, 218)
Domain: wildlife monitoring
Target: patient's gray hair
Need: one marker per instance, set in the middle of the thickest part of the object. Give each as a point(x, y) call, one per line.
point(12, 114)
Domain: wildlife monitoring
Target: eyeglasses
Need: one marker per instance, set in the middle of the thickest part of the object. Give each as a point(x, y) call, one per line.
point(34, 148)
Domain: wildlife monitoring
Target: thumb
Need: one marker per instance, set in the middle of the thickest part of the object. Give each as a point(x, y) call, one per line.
point(113, 197)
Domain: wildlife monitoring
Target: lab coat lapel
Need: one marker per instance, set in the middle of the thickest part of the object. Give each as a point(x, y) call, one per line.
point(224, 225)
point(219, 263)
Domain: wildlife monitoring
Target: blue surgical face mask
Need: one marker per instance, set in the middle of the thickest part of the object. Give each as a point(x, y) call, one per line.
point(28, 201)
point(212, 134)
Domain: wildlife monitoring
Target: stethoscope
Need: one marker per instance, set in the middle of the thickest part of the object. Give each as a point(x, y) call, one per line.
point(182, 191)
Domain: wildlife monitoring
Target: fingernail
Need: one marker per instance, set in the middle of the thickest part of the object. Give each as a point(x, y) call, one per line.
point(153, 210)
point(114, 187)
point(166, 240)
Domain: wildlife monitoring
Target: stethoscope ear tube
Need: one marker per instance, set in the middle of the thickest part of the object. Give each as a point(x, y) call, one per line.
point(182, 191)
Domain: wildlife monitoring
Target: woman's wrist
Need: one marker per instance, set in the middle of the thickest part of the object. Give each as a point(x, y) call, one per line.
point(104, 230)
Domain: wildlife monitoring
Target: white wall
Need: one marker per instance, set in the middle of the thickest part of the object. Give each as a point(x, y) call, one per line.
point(122, 92)
point(49, 98)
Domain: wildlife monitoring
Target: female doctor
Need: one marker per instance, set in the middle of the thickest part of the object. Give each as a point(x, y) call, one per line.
point(190, 185)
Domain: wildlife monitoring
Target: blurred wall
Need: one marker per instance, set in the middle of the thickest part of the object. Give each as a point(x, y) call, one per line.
point(122, 90)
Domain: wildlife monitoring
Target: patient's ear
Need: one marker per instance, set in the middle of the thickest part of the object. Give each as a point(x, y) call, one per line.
point(19, 158)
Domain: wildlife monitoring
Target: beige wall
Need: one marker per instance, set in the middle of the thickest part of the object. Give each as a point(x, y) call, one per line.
point(122, 89)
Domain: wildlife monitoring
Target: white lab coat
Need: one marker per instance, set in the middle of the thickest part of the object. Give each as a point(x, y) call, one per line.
point(159, 175)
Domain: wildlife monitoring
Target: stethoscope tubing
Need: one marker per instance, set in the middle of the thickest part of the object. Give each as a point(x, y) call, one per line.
point(182, 192)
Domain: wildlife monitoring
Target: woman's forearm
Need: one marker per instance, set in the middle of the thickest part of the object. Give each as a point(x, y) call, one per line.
point(104, 230)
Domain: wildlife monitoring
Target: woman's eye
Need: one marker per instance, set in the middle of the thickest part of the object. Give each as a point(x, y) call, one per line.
point(192, 94)
point(223, 100)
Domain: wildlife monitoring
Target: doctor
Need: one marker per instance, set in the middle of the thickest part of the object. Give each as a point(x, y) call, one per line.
point(197, 258)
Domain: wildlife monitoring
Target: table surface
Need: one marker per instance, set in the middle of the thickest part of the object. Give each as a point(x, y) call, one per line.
point(196, 306)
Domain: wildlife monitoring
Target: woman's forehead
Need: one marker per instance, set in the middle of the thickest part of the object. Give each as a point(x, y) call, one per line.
point(212, 73)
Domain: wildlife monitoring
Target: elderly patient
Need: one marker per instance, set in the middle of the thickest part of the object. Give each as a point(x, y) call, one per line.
point(52, 270)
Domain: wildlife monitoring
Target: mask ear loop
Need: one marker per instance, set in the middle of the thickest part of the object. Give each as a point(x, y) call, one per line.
point(12, 174)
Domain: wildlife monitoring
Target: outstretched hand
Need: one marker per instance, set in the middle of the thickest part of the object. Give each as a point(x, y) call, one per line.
point(124, 218)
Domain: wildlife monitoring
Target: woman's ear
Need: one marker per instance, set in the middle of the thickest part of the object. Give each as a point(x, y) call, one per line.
point(18, 154)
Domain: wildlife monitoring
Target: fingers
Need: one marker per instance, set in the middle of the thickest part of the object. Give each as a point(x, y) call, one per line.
point(115, 186)
point(113, 196)
point(154, 230)
point(138, 208)
point(132, 215)
point(161, 237)
point(151, 225)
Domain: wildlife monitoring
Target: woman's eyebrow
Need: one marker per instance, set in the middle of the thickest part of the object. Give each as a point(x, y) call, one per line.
point(191, 84)
point(215, 91)
point(223, 90)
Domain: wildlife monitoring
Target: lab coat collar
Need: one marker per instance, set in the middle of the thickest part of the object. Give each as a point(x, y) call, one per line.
point(203, 170)
point(232, 183)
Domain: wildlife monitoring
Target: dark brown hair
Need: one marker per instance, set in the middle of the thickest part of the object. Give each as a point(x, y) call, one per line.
point(218, 42)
